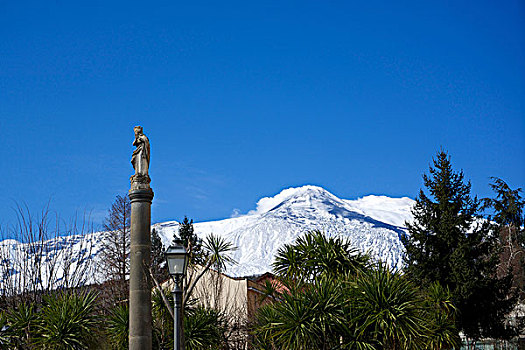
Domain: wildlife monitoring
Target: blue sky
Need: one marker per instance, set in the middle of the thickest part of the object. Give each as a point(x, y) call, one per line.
point(241, 99)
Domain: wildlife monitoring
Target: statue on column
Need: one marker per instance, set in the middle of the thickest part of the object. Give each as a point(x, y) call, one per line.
point(140, 160)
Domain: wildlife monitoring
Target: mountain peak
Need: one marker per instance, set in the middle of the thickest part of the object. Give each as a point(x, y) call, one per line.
point(291, 194)
point(374, 224)
point(393, 211)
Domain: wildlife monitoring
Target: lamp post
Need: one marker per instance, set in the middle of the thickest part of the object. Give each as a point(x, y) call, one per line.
point(177, 259)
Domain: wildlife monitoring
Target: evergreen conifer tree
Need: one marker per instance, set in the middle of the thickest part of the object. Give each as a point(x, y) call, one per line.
point(449, 243)
point(191, 241)
point(508, 216)
point(158, 261)
point(508, 204)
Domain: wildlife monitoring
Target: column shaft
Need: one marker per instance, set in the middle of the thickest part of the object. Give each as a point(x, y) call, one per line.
point(140, 334)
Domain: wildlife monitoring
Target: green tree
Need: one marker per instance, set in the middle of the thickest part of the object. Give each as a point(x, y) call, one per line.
point(162, 318)
point(191, 241)
point(388, 310)
point(449, 242)
point(508, 204)
point(508, 215)
point(315, 254)
point(158, 261)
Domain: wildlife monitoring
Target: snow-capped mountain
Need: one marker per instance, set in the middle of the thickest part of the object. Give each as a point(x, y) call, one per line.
point(372, 223)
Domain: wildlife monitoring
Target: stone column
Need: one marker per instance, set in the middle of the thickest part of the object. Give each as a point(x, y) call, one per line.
point(140, 195)
point(139, 286)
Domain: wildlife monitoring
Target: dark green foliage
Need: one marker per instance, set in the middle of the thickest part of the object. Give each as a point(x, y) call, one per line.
point(377, 309)
point(5, 336)
point(340, 301)
point(191, 241)
point(308, 317)
point(158, 261)
point(118, 327)
point(162, 320)
point(388, 308)
point(440, 227)
point(441, 313)
point(203, 329)
point(508, 204)
point(22, 325)
point(508, 215)
point(448, 243)
point(316, 254)
point(67, 321)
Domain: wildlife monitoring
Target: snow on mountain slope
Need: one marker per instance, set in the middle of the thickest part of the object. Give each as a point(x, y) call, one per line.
point(373, 224)
point(394, 211)
point(68, 261)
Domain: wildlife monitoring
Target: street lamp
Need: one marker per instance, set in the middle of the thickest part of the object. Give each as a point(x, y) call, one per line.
point(177, 259)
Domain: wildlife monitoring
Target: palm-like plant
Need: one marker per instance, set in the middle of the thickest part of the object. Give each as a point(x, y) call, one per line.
point(316, 254)
point(441, 314)
point(162, 319)
point(5, 338)
point(309, 316)
point(203, 329)
point(217, 251)
point(21, 325)
point(444, 334)
point(216, 254)
point(336, 300)
point(118, 327)
point(388, 308)
point(67, 321)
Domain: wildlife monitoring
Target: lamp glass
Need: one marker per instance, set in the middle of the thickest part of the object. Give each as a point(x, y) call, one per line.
point(176, 264)
point(176, 257)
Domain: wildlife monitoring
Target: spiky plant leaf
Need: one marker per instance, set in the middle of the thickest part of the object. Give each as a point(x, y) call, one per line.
point(203, 329)
point(316, 254)
point(118, 327)
point(68, 321)
point(22, 323)
point(389, 308)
